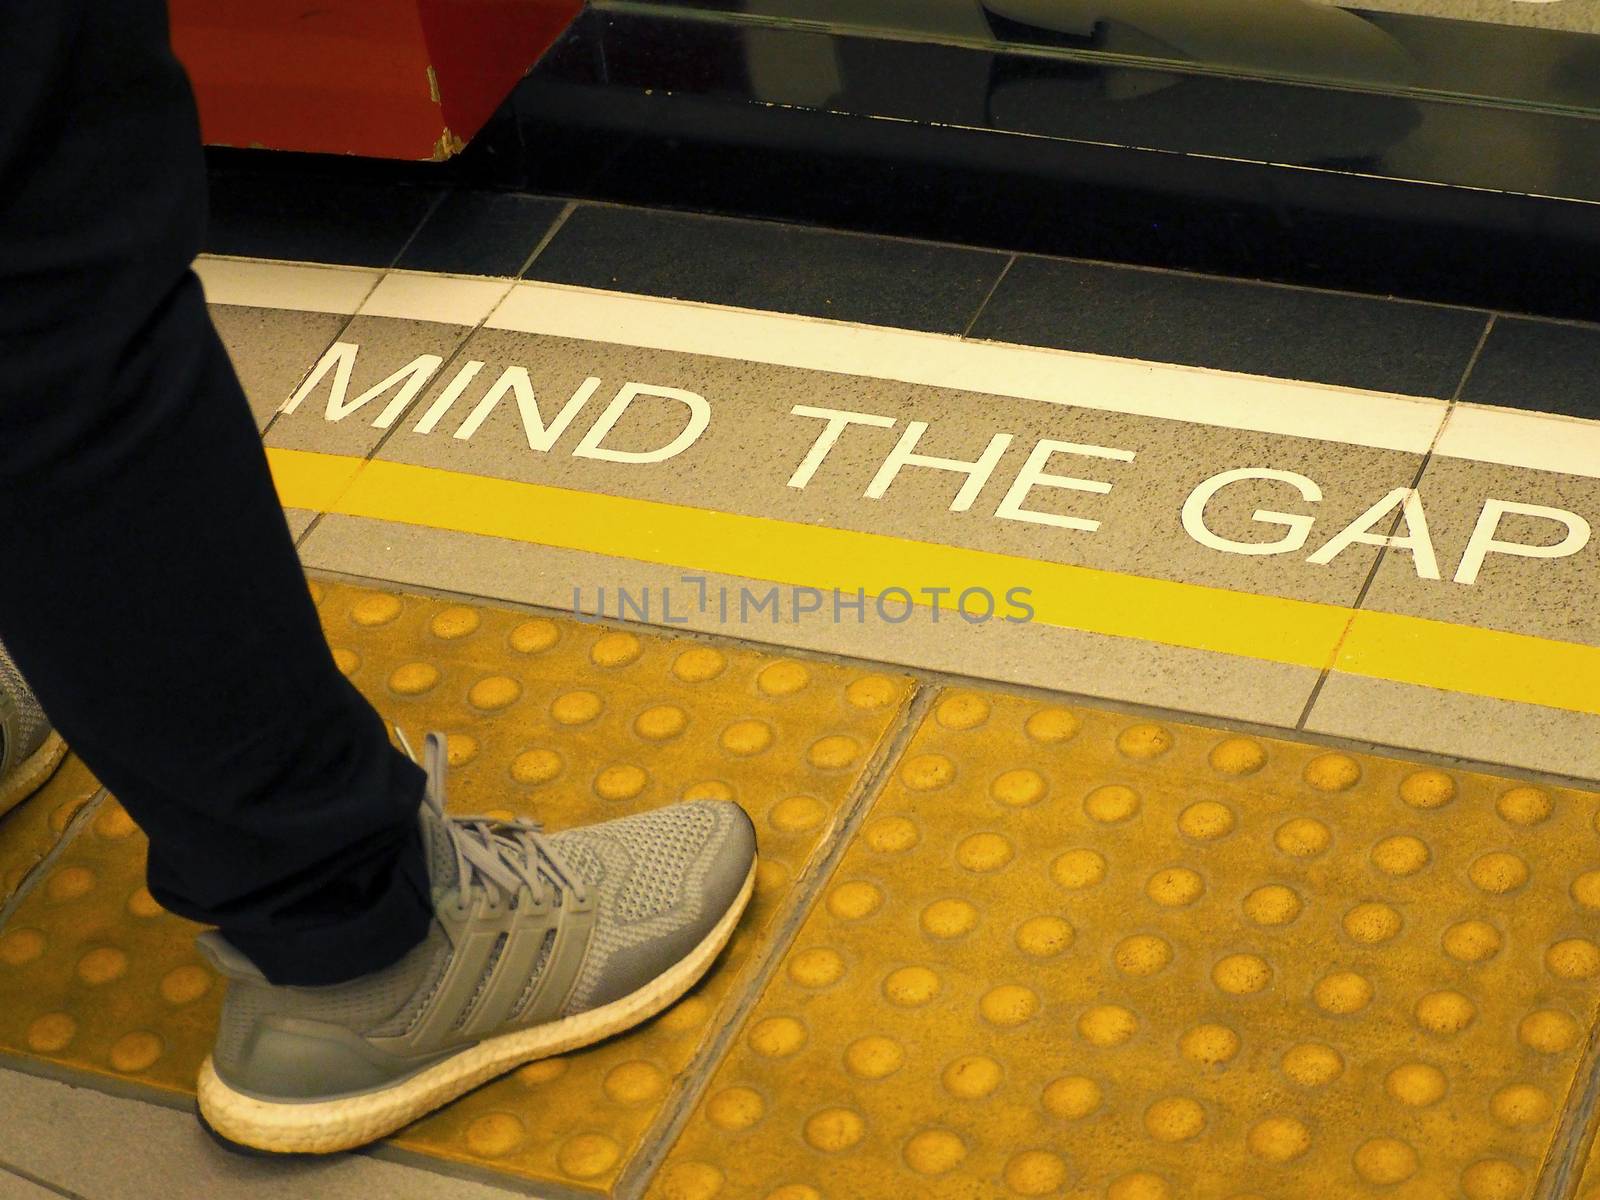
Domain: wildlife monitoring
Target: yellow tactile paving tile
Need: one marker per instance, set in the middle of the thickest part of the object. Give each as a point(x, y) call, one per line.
point(31, 830)
point(1079, 954)
point(566, 721)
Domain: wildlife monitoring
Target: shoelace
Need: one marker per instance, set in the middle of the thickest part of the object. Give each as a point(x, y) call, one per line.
point(507, 854)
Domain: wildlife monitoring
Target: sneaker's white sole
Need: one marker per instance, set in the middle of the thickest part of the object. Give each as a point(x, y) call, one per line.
point(31, 775)
point(325, 1126)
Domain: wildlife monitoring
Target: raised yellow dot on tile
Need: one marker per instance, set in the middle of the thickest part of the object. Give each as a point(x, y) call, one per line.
point(795, 814)
point(135, 1051)
point(735, 1108)
point(794, 1191)
point(494, 692)
point(1018, 788)
point(1384, 1161)
point(1174, 887)
point(833, 752)
point(660, 722)
point(1008, 1005)
point(1044, 937)
point(102, 965)
point(635, 1082)
point(531, 637)
point(691, 1180)
point(1278, 1139)
point(142, 904)
point(1209, 1045)
point(1371, 923)
point(933, 1152)
point(413, 679)
point(621, 782)
point(576, 708)
point(783, 678)
point(1272, 904)
point(1035, 1173)
point(971, 1077)
point(854, 899)
point(708, 789)
point(890, 835)
point(536, 766)
point(874, 1057)
point(543, 1071)
point(817, 967)
point(871, 692)
point(699, 663)
point(375, 608)
point(1521, 1104)
point(1342, 992)
point(1332, 772)
point(1139, 1185)
point(948, 918)
point(1238, 756)
point(833, 1129)
point(1078, 869)
point(962, 711)
point(1427, 789)
point(1401, 855)
point(1498, 872)
point(1174, 1119)
point(925, 772)
point(770, 875)
point(113, 823)
point(460, 749)
point(1241, 974)
point(1302, 837)
point(910, 987)
point(1444, 1012)
point(1524, 806)
point(51, 1032)
point(1142, 954)
point(1111, 803)
point(68, 883)
point(984, 852)
point(685, 1015)
point(1492, 1179)
point(615, 649)
point(1311, 1064)
point(184, 984)
point(1585, 890)
point(1471, 941)
point(1107, 1025)
point(456, 621)
point(746, 737)
point(346, 662)
point(21, 946)
point(776, 1037)
point(1573, 958)
point(1548, 1031)
point(1144, 741)
point(1071, 1097)
point(1051, 726)
point(1416, 1084)
point(588, 1155)
point(1206, 820)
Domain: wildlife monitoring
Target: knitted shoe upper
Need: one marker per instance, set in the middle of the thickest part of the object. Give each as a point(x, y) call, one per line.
point(23, 725)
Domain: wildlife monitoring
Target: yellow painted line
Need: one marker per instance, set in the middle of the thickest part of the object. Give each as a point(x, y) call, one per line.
point(1437, 654)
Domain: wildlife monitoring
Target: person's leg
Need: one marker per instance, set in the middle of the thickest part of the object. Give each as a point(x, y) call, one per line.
point(149, 590)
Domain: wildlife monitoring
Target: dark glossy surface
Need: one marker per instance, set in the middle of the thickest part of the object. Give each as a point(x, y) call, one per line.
point(480, 233)
point(1540, 365)
point(756, 264)
point(1260, 329)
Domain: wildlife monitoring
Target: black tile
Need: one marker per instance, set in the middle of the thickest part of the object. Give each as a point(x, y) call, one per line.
point(1291, 333)
point(481, 233)
point(314, 217)
point(752, 264)
point(1538, 365)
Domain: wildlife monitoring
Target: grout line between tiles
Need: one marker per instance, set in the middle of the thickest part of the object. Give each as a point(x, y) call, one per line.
point(549, 236)
point(989, 295)
point(663, 1134)
point(417, 228)
point(42, 868)
point(39, 1181)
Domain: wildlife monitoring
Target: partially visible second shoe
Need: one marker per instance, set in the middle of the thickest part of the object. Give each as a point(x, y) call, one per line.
point(29, 749)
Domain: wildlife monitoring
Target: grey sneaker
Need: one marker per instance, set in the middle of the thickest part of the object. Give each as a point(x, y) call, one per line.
point(541, 943)
point(29, 749)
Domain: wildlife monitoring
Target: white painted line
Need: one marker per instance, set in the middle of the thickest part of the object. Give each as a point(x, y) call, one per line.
point(302, 286)
point(448, 299)
point(1193, 394)
point(1543, 441)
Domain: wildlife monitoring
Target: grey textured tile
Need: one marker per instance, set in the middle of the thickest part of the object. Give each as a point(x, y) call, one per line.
point(272, 349)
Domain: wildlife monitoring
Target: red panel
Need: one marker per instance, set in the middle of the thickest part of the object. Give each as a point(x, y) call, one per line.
point(385, 78)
